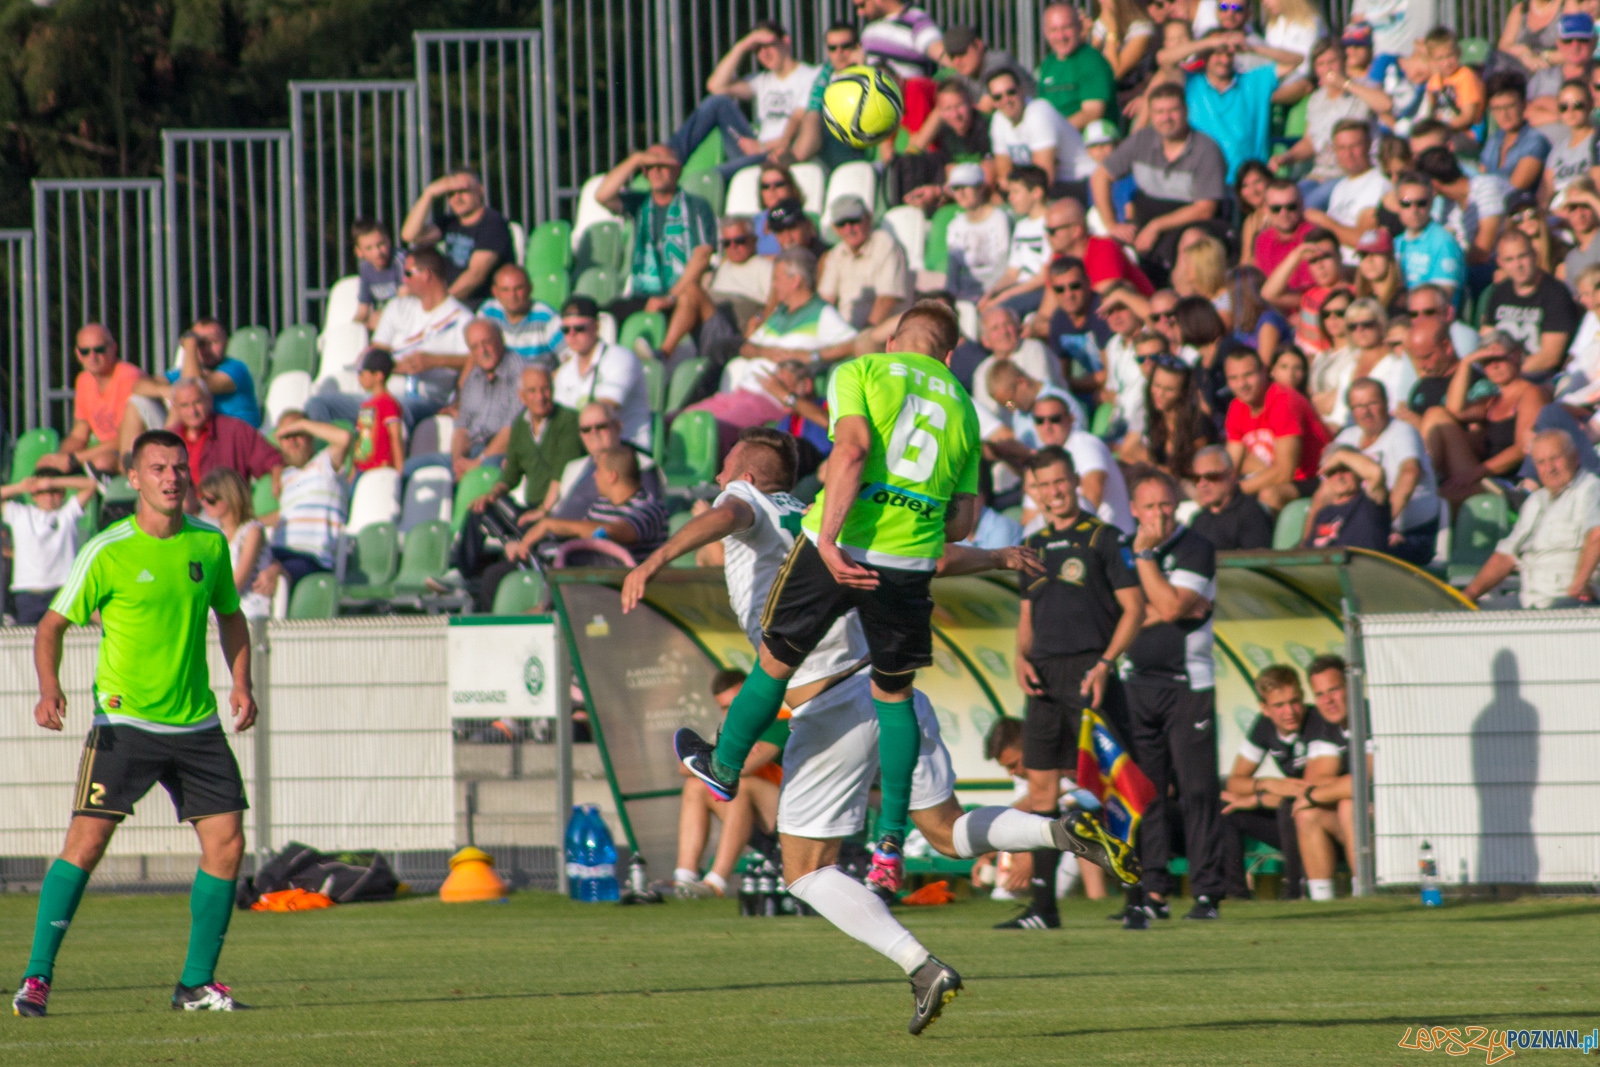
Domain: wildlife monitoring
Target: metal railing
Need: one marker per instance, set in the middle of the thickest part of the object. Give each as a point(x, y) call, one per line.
point(355, 156)
point(16, 330)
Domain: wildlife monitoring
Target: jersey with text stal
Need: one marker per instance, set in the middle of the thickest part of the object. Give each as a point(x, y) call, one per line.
point(1074, 604)
point(153, 595)
point(925, 449)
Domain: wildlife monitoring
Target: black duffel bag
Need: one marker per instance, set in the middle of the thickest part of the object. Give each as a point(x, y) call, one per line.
point(344, 877)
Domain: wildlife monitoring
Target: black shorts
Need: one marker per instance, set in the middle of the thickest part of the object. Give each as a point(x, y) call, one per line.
point(805, 602)
point(1051, 723)
point(121, 763)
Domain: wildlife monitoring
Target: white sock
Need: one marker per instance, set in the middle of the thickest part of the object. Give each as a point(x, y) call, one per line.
point(684, 874)
point(857, 911)
point(985, 830)
point(716, 881)
point(1320, 888)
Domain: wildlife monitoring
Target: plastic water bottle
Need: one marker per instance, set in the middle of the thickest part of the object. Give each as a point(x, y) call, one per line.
point(767, 887)
point(1428, 869)
point(747, 894)
point(600, 856)
point(576, 870)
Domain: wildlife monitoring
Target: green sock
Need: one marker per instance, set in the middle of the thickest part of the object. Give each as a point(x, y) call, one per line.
point(210, 909)
point(899, 745)
point(58, 902)
point(753, 710)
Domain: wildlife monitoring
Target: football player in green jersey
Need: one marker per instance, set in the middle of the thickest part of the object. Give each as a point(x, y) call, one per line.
point(154, 578)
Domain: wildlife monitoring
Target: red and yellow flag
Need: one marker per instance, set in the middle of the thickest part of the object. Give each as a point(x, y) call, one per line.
point(1106, 770)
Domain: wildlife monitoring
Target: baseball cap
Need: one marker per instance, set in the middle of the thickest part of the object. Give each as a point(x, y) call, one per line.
point(581, 307)
point(1577, 26)
point(847, 208)
point(1520, 200)
point(1357, 33)
point(786, 213)
point(967, 174)
point(378, 359)
point(1375, 241)
point(957, 39)
point(1100, 131)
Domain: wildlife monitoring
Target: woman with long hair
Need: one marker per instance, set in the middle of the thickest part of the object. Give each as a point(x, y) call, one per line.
point(1202, 266)
point(1374, 358)
point(1335, 359)
point(777, 184)
point(1377, 273)
point(1175, 426)
point(1256, 323)
point(225, 501)
point(1290, 370)
point(1294, 26)
point(1123, 33)
point(1200, 330)
point(1394, 159)
point(1570, 156)
point(1522, 213)
point(1250, 191)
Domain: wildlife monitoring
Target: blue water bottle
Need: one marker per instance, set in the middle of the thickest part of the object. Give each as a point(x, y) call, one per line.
point(601, 856)
point(576, 870)
point(1428, 875)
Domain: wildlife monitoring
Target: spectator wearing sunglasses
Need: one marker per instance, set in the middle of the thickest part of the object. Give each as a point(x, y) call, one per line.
point(1426, 251)
point(1024, 131)
point(842, 45)
point(474, 238)
point(1373, 359)
point(1284, 232)
point(1227, 518)
point(105, 390)
point(866, 275)
point(1575, 50)
point(1580, 207)
point(1316, 259)
point(1572, 154)
point(1077, 334)
point(741, 279)
point(595, 370)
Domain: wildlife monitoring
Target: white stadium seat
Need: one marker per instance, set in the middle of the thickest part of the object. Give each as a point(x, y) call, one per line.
point(607, 328)
point(857, 177)
point(289, 391)
point(343, 299)
point(910, 228)
point(376, 498)
point(519, 243)
point(589, 210)
point(431, 435)
point(429, 495)
point(967, 312)
point(744, 193)
point(812, 182)
point(342, 345)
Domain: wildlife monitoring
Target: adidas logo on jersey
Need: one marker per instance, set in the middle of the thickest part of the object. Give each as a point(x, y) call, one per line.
point(146, 576)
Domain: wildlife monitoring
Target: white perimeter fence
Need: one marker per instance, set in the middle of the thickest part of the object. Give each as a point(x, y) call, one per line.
point(1487, 734)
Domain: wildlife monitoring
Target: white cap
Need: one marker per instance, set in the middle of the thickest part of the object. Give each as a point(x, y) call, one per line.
point(967, 174)
point(1100, 131)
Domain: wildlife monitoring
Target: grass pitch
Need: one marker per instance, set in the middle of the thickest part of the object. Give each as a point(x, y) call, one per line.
point(542, 980)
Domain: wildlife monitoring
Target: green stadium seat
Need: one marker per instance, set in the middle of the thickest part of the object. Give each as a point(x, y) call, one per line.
point(1479, 309)
point(119, 491)
point(1260, 857)
point(599, 283)
point(549, 249)
point(520, 593)
point(370, 566)
point(707, 155)
point(316, 596)
point(472, 485)
point(295, 349)
point(651, 325)
point(426, 555)
point(1294, 123)
point(684, 377)
point(250, 346)
point(1290, 528)
point(936, 252)
point(807, 488)
point(708, 185)
point(89, 525)
point(605, 244)
point(1100, 422)
point(676, 522)
point(1474, 51)
point(658, 438)
point(262, 499)
point(1480, 523)
point(30, 448)
point(691, 453)
point(552, 288)
point(655, 383)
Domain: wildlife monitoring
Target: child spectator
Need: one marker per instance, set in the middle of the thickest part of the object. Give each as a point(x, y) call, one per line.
point(1100, 139)
point(379, 422)
point(44, 534)
point(979, 238)
point(1021, 286)
point(1454, 93)
point(381, 268)
point(225, 502)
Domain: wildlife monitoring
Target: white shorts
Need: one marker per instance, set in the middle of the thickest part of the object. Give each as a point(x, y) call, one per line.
point(831, 761)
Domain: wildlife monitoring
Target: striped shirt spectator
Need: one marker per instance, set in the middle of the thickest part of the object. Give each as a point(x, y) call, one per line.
point(641, 511)
point(530, 327)
point(311, 509)
point(906, 40)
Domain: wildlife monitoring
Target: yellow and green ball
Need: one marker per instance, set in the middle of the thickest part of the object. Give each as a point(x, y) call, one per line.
point(862, 106)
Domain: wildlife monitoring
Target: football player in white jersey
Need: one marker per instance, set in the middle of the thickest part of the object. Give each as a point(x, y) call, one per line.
point(831, 759)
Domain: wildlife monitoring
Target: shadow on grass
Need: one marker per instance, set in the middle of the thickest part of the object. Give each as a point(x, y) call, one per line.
point(1220, 1025)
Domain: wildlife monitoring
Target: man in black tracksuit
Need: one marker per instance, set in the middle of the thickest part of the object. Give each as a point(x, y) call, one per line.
point(1171, 700)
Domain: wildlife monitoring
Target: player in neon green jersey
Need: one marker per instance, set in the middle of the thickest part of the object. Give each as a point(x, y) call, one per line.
point(153, 577)
point(902, 480)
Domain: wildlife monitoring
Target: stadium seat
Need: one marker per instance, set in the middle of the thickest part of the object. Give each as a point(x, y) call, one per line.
point(910, 227)
point(552, 288)
point(368, 561)
point(1474, 51)
point(316, 596)
point(1479, 308)
point(706, 184)
point(936, 247)
point(1100, 422)
point(249, 345)
point(813, 183)
point(375, 499)
point(744, 192)
point(426, 555)
point(342, 345)
point(519, 241)
point(967, 315)
point(607, 328)
point(598, 283)
point(29, 448)
point(603, 245)
point(295, 348)
point(590, 210)
point(655, 383)
point(89, 524)
point(1480, 524)
point(1289, 530)
point(428, 498)
point(858, 178)
point(691, 453)
point(431, 435)
point(707, 155)
point(549, 249)
point(262, 500)
point(520, 593)
point(472, 485)
point(289, 391)
point(343, 299)
point(651, 325)
point(684, 377)
point(658, 438)
point(1294, 123)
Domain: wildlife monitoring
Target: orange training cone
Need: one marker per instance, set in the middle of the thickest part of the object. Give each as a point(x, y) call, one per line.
point(472, 878)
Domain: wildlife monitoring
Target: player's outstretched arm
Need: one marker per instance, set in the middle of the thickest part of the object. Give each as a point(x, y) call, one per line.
point(234, 630)
point(713, 525)
point(961, 559)
point(52, 707)
point(852, 444)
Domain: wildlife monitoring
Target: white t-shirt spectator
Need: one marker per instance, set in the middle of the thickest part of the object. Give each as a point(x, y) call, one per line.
point(311, 509)
point(1351, 197)
point(1399, 442)
point(1397, 25)
point(1030, 247)
point(1295, 37)
point(778, 98)
point(1323, 113)
point(1042, 127)
point(407, 328)
point(46, 543)
point(1126, 378)
point(978, 253)
point(615, 376)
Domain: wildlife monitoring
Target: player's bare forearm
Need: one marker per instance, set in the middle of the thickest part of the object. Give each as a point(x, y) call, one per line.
point(698, 532)
point(52, 706)
point(961, 559)
point(960, 517)
point(234, 630)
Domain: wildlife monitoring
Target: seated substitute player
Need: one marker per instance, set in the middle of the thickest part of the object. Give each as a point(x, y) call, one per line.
point(1256, 806)
point(902, 481)
point(153, 577)
point(1077, 618)
point(1324, 815)
point(831, 758)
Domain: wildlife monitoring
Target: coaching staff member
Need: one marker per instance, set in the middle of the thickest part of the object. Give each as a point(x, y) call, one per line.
point(1171, 701)
point(1076, 621)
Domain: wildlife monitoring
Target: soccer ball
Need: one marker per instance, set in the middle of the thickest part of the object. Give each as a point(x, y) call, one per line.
point(862, 106)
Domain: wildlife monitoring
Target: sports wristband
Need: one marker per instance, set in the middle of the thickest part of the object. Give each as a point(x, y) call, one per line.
point(1109, 663)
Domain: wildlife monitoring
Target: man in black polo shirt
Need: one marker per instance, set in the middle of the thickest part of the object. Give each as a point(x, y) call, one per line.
point(1076, 621)
point(474, 238)
point(1264, 807)
point(1227, 518)
point(1171, 699)
point(1325, 815)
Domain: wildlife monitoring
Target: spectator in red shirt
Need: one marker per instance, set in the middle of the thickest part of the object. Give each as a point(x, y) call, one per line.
point(1274, 435)
point(1104, 259)
point(219, 441)
point(379, 422)
point(1286, 228)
